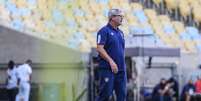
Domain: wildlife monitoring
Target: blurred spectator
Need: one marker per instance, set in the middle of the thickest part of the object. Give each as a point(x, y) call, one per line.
point(11, 82)
point(198, 85)
point(187, 91)
point(24, 72)
point(160, 91)
point(174, 89)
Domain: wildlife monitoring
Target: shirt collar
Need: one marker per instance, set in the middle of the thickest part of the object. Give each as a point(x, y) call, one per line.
point(110, 26)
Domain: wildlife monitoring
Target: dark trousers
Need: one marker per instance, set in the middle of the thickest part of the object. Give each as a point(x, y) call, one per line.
point(109, 82)
point(12, 94)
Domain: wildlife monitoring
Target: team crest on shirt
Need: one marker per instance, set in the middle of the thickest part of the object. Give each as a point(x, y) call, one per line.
point(106, 79)
point(111, 33)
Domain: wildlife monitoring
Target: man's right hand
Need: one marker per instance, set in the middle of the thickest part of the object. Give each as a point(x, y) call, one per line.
point(113, 66)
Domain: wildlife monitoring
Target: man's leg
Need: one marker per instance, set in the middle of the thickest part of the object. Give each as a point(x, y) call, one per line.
point(19, 94)
point(9, 93)
point(106, 78)
point(26, 91)
point(120, 85)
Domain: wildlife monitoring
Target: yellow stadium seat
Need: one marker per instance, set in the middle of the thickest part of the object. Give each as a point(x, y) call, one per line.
point(40, 26)
point(166, 39)
point(176, 41)
point(125, 6)
point(157, 2)
point(179, 26)
point(85, 46)
point(113, 4)
point(136, 6)
point(164, 18)
point(151, 14)
point(51, 3)
point(21, 3)
point(29, 22)
point(197, 13)
point(130, 18)
point(171, 4)
point(189, 46)
point(184, 8)
point(5, 14)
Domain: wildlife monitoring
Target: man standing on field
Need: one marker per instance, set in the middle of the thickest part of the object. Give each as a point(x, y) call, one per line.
point(112, 68)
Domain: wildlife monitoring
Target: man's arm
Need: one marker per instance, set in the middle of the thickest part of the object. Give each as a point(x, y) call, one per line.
point(7, 79)
point(18, 81)
point(104, 55)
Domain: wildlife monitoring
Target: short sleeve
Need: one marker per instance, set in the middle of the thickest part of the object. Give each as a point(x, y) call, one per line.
point(29, 70)
point(101, 37)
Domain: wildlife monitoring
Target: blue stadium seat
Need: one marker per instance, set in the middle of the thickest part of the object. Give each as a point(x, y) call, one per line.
point(58, 17)
point(148, 30)
point(63, 1)
point(71, 23)
point(17, 24)
point(193, 32)
point(159, 42)
point(136, 29)
point(31, 2)
point(168, 29)
point(102, 1)
point(24, 11)
point(149, 41)
point(185, 36)
point(49, 24)
point(79, 36)
point(142, 18)
point(105, 12)
point(12, 8)
point(78, 12)
point(73, 43)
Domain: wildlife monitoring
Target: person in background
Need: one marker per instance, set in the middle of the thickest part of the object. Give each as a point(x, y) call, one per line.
point(11, 81)
point(161, 91)
point(174, 89)
point(24, 72)
point(187, 91)
point(198, 85)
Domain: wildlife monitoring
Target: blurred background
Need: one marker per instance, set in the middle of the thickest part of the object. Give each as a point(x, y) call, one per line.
point(163, 40)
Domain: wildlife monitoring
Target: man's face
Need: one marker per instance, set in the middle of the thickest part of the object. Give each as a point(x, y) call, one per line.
point(118, 19)
point(163, 81)
point(190, 82)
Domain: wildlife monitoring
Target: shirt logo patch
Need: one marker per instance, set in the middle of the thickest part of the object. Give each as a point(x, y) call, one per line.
point(106, 79)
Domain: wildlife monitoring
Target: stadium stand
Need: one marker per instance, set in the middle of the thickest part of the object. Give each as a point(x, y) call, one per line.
point(74, 24)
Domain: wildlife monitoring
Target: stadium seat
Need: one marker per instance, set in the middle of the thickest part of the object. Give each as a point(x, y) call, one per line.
point(179, 27)
point(193, 32)
point(157, 2)
point(184, 8)
point(141, 16)
point(189, 46)
point(185, 36)
point(171, 4)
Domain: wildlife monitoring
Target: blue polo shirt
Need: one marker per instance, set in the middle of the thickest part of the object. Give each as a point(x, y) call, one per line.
point(114, 44)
